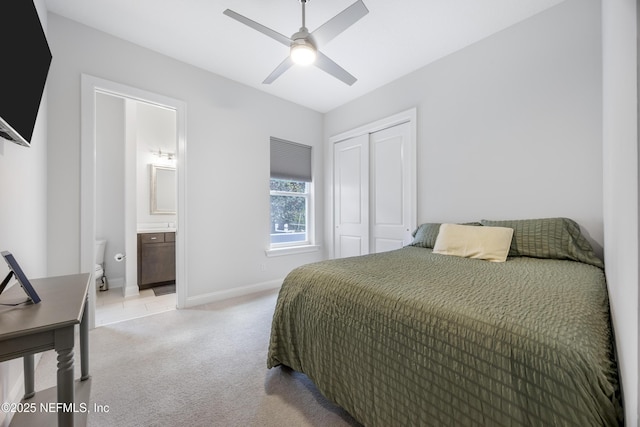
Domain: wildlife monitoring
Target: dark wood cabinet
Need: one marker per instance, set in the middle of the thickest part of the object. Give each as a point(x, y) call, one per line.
point(156, 259)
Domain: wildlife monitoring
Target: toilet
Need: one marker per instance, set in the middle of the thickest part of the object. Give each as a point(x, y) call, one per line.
point(99, 271)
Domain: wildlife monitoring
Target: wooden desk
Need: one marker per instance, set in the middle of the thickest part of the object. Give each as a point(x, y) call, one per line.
point(34, 328)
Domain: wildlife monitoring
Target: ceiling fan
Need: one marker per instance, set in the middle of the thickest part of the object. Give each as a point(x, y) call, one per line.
point(304, 45)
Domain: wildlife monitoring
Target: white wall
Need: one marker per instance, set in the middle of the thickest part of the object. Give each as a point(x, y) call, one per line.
point(513, 127)
point(156, 130)
point(509, 127)
point(110, 149)
point(23, 218)
point(620, 159)
point(228, 130)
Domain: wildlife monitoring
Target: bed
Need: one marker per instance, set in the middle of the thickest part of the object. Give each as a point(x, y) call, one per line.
point(413, 337)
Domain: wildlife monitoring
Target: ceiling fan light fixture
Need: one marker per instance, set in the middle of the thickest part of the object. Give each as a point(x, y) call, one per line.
point(304, 45)
point(303, 52)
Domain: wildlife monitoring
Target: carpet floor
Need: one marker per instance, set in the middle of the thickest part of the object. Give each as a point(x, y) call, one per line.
point(202, 366)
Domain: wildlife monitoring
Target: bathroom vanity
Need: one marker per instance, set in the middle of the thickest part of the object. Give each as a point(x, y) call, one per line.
point(156, 259)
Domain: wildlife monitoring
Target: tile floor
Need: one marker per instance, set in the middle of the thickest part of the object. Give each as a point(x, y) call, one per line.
point(112, 307)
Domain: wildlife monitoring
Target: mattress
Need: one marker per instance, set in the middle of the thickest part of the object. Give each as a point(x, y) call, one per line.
point(409, 337)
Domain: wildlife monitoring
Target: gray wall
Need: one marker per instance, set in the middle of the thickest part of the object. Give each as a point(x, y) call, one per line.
point(509, 127)
point(228, 125)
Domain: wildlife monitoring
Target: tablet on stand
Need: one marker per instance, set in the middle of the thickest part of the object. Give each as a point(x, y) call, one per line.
point(15, 270)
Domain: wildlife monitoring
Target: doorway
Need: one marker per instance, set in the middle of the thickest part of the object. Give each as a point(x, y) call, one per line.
point(124, 274)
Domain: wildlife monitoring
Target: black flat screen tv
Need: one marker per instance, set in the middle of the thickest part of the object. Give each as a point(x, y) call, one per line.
point(26, 58)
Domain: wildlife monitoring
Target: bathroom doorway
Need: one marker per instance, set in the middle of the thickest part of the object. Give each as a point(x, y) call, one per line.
point(139, 277)
point(128, 135)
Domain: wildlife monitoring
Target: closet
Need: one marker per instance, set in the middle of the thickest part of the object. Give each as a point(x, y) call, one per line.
point(374, 190)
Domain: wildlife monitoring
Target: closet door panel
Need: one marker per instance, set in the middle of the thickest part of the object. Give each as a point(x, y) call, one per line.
point(351, 197)
point(374, 190)
point(387, 180)
point(391, 187)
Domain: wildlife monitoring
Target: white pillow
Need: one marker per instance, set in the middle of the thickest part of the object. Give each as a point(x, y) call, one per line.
point(469, 241)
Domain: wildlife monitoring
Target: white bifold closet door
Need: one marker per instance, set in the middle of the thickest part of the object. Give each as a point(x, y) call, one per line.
point(373, 185)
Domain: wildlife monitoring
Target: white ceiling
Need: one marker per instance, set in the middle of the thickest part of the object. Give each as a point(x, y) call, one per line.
point(392, 40)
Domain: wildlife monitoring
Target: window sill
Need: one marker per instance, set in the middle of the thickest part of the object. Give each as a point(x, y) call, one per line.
point(291, 250)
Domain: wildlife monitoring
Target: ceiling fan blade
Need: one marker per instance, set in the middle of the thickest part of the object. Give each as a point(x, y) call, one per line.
point(334, 26)
point(280, 69)
point(259, 27)
point(325, 64)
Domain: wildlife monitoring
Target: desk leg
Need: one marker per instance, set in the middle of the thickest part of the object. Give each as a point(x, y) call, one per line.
point(28, 362)
point(84, 343)
point(66, 388)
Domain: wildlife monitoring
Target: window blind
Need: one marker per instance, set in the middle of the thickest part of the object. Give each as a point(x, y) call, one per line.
point(290, 160)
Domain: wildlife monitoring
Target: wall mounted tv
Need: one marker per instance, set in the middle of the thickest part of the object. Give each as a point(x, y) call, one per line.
point(24, 70)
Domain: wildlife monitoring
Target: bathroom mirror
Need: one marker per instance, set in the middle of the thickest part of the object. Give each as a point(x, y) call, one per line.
point(163, 190)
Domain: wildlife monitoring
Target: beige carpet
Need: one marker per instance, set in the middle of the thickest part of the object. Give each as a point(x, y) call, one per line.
point(204, 366)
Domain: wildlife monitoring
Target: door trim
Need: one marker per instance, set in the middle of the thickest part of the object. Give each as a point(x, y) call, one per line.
point(89, 86)
point(397, 119)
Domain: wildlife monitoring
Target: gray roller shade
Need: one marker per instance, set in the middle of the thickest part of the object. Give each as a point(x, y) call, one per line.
point(290, 160)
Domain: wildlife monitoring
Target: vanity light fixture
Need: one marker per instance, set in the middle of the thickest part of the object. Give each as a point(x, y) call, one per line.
point(161, 154)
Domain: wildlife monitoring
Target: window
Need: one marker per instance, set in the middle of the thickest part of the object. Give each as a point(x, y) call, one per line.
point(289, 207)
point(290, 193)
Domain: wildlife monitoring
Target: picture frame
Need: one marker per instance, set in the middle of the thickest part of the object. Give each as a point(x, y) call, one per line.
point(15, 269)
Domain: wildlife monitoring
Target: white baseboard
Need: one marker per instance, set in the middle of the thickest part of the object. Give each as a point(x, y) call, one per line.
point(15, 396)
point(232, 293)
point(131, 290)
point(16, 393)
point(117, 282)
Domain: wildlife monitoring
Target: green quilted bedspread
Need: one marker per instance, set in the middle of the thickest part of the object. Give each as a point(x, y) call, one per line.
point(412, 338)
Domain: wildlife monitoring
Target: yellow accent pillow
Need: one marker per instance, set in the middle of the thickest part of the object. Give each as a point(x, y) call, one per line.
point(488, 243)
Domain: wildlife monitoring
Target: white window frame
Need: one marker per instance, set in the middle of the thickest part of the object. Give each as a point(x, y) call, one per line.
point(307, 197)
point(292, 161)
point(292, 248)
